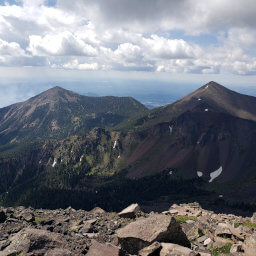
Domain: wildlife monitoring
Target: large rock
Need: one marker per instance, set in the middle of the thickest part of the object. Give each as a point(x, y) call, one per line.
point(153, 249)
point(98, 249)
point(250, 245)
point(97, 210)
point(175, 249)
point(130, 211)
point(169, 249)
point(145, 231)
point(253, 219)
point(29, 240)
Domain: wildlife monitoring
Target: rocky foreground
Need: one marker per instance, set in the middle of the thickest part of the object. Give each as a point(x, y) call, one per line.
point(183, 230)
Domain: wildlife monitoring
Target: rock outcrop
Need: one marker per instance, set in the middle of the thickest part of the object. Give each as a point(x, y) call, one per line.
point(183, 230)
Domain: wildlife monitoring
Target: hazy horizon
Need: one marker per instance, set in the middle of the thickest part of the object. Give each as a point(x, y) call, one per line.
point(126, 48)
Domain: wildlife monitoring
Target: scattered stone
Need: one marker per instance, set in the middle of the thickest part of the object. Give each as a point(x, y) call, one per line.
point(97, 210)
point(236, 248)
point(174, 249)
point(98, 249)
point(253, 219)
point(153, 249)
point(28, 231)
point(250, 245)
point(130, 211)
point(208, 241)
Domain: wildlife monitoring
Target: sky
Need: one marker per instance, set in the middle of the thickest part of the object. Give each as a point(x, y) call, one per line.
point(123, 47)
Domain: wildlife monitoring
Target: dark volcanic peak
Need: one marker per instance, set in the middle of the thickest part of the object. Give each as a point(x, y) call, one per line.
point(210, 97)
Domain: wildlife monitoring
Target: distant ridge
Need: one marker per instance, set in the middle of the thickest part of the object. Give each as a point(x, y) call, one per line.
point(58, 113)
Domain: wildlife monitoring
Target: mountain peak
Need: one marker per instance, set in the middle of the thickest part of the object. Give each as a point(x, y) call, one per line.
point(55, 94)
point(213, 85)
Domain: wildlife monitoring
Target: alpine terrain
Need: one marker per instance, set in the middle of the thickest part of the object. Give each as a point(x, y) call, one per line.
point(110, 151)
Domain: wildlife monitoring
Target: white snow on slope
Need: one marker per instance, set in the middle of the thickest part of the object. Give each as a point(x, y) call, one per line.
point(170, 127)
point(206, 110)
point(81, 158)
point(215, 174)
point(114, 145)
point(199, 174)
point(54, 162)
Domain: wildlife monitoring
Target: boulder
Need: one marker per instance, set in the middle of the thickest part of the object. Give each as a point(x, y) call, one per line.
point(250, 245)
point(130, 211)
point(29, 239)
point(236, 248)
point(28, 217)
point(59, 252)
point(175, 249)
point(153, 249)
point(98, 249)
point(145, 231)
point(253, 219)
point(97, 210)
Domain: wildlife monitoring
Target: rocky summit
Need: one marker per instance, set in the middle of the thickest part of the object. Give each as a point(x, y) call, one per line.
point(183, 230)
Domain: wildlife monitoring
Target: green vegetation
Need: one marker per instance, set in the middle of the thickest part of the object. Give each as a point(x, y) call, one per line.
point(183, 219)
point(222, 250)
point(39, 219)
point(113, 215)
point(246, 224)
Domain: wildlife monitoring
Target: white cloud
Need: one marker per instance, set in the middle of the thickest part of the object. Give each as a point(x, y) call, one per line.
point(10, 49)
point(131, 35)
point(62, 44)
point(164, 48)
point(81, 66)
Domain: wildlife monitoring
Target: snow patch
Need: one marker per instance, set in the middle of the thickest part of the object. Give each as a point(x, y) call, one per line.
point(81, 158)
point(170, 172)
point(114, 144)
point(215, 174)
point(54, 162)
point(220, 196)
point(40, 161)
point(206, 110)
point(170, 127)
point(199, 174)
point(199, 99)
point(119, 156)
point(206, 87)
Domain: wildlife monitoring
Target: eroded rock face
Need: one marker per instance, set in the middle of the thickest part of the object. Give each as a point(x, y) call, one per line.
point(144, 231)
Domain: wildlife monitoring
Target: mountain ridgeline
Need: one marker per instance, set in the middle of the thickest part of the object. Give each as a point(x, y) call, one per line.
point(201, 147)
point(58, 113)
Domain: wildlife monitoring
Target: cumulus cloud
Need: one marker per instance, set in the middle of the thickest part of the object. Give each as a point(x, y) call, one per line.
point(10, 49)
point(65, 44)
point(131, 35)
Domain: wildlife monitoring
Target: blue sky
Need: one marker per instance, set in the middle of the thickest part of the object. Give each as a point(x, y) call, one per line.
point(152, 45)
